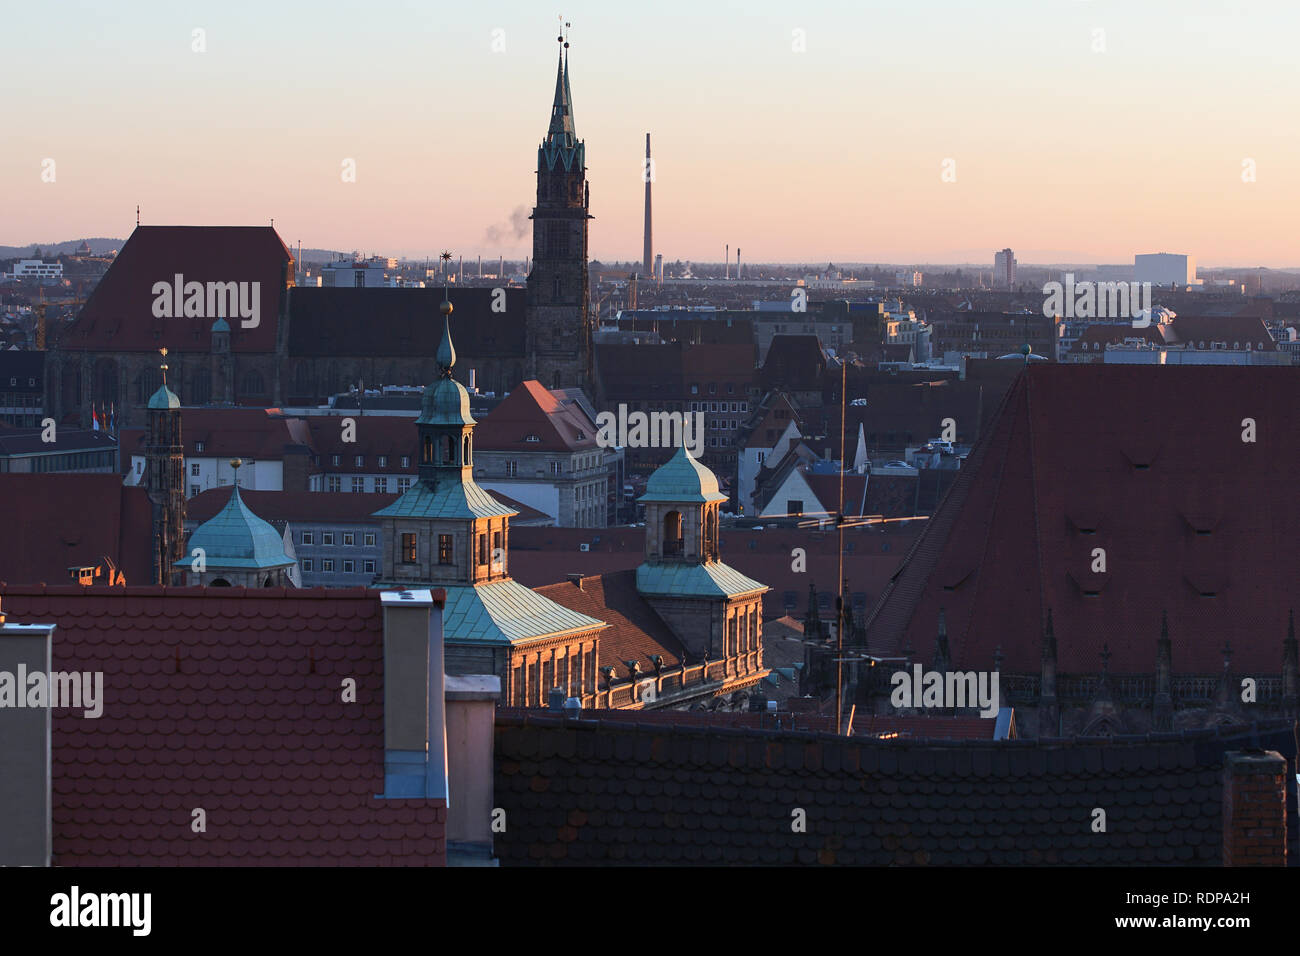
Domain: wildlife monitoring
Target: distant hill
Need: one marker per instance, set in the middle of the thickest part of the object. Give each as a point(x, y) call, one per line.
point(98, 246)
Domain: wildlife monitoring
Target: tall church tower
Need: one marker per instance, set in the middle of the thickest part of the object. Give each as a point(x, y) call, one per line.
point(165, 481)
point(559, 327)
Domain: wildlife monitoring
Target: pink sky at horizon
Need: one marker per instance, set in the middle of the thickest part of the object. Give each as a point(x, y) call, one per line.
point(833, 154)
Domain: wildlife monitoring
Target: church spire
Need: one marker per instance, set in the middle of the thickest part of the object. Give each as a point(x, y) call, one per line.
point(562, 108)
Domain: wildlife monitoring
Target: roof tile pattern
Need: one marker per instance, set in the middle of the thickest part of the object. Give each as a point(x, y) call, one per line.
point(594, 792)
point(226, 700)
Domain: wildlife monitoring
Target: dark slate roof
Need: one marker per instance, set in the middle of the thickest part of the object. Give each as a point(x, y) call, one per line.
point(22, 366)
point(225, 699)
point(1159, 475)
point(403, 323)
point(593, 792)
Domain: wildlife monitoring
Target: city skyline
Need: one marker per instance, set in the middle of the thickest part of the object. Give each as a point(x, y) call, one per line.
point(792, 159)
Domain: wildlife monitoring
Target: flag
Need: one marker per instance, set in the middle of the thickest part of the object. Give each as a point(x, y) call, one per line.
point(94, 418)
point(112, 418)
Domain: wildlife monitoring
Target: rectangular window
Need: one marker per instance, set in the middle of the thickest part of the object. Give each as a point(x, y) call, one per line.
point(406, 461)
point(512, 469)
point(358, 485)
point(368, 567)
point(369, 539)
point(327, 565)
point(194, 470)
point(383, 461)
point(381, 486)
point(333, 483)
point(307, 564)
point(408, 549)
point(482, 548)
point(359, 460)
point(336, 460)
point(497, 552)
point(194, 490)
point(348, 567)
point(349, 539)
point(309, 537)
point(403, 485)
point(557, 468)
point(445, 553)
point(794, 506)
point(199, 446)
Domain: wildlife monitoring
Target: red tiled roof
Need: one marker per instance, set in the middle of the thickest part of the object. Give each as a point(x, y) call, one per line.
point(1095, 335)
point(249, 433)
point(225, 699)
point(541, 556)
point(635, 630)
point(374, 435)
point(301, 506)
point(1151, 461)
point(118, 316)
point(1192, 330)
point(531, 409)
point(55, 521)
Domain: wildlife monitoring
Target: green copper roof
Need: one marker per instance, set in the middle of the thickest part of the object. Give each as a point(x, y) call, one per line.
point(450, 498)
point(682, 479)
point(164, 398)
point(236, 538)
point(506, 612)
point(713, 580)
point(445, 401)
point(221, 325)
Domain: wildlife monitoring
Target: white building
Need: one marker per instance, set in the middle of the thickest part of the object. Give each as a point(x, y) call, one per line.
point(912, 279)
point(1165, 269)
point(37, 269)
point(355, 273)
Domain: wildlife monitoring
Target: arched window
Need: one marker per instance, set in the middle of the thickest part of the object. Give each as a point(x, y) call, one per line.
point(426, 454)
point(146, 383)
point(219, 583)
point(672, 533)
point(201, 391)
point(448, 450)
point(465, 457)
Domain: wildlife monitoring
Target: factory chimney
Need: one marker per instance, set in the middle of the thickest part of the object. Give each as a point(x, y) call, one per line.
point(648, 265)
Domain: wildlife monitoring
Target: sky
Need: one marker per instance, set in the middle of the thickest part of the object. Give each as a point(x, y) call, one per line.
point(910, 131)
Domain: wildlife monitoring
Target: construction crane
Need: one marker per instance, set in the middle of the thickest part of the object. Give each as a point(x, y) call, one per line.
point(40, 317)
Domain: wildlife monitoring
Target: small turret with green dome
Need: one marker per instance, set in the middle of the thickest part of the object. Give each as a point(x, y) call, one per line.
point(164, 398)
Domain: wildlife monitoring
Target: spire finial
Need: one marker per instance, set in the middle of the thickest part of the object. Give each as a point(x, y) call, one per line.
point(235, 465)
point(446, 352)
point(163, 351)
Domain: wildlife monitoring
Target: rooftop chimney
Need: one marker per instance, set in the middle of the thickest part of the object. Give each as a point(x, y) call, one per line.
point(26, 831)
point(576, 580)
point(415, 738)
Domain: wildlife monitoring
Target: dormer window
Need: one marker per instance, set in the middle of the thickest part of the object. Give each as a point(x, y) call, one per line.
point(199, 446)
point(531, 438)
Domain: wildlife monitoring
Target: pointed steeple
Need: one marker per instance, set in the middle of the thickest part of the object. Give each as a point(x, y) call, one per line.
point(562, 127)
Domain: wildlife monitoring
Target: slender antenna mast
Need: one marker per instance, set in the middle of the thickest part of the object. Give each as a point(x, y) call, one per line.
point(839, 629)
